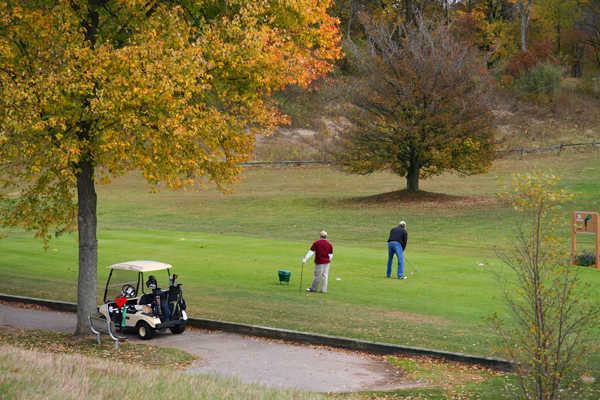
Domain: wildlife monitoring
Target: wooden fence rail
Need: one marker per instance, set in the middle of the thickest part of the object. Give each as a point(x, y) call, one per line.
point(522, 151)
point(558, 148)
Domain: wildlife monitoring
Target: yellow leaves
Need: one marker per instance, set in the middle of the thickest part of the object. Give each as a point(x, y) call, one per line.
point(17, 12)
point(536, 193)
point(273, 56)
point(175, 100)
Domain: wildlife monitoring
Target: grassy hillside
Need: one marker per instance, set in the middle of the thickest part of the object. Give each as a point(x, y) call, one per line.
point(567, 117)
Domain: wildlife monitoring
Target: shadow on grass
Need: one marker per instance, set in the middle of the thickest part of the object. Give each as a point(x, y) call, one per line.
point(421, 198)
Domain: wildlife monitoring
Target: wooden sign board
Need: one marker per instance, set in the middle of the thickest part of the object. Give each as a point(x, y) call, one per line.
point(585, 222)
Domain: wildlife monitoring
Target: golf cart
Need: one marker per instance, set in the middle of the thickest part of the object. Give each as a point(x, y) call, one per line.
point(133, 300)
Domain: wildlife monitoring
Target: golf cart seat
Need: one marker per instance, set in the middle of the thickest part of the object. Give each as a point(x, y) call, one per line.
point(146, 299)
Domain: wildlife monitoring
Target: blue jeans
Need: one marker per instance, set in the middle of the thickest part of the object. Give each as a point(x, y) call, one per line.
point(395, 248)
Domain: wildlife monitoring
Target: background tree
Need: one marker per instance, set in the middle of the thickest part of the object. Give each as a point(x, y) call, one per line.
point(524, 7)
point(547, 334)
point(559, 15)
point(492, 9)
point(92, 89)
point(349, 11)
point(488, 25)
point(589, 25)
point(417, 106)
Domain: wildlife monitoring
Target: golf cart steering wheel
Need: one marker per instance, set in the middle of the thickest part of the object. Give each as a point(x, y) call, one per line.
point(128, 291)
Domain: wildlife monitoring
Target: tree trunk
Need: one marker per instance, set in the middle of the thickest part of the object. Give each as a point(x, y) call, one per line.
point(447, 11)
point(412, 176)
point(490, 11)
point(558, 49)
point(350, 18)
point(88, 246)
point(525, 10)
point(409, 11)
point(86, 203)
point(577, 69)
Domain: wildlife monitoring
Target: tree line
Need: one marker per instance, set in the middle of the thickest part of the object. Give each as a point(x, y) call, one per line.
point(566, 29)
point(413, 93)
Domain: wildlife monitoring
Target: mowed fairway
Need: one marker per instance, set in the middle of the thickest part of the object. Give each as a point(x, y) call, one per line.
point(227, 249)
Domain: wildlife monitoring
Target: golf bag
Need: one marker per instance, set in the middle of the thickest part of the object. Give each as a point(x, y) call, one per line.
point(176, 301)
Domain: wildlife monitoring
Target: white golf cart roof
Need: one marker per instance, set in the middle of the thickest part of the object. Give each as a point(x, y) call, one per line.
point(141, 266)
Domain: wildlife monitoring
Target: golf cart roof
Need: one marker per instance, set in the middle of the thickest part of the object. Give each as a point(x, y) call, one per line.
point(141, 266)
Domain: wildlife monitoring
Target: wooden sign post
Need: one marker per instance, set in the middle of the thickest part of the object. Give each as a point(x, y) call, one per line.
point(585, 222)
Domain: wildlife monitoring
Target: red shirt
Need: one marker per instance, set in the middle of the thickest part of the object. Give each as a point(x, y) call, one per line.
point(322, 249)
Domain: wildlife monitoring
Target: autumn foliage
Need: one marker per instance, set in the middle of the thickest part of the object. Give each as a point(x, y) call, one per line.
point(418, 107)
point(549, 325)
point(525, 61)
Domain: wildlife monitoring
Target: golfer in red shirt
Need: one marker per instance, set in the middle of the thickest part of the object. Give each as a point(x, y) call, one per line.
point(323, 251)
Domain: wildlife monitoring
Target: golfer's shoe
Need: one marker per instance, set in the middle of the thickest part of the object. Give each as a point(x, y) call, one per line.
point(403, 277)
point(310, 290)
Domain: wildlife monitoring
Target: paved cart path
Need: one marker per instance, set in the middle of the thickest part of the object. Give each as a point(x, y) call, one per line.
point(252, 360)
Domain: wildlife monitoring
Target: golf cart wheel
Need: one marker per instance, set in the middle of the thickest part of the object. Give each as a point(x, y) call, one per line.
point(176, 330)
point(144, 331)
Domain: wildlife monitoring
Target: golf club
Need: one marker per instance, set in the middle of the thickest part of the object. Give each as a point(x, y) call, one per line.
point(406, 262)
point(301, 271)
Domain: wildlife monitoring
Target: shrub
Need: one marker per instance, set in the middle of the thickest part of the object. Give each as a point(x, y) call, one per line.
point(586, 258)
point(590, 86)
point(525, 61)
point(521, 63)
point(550, 320)
point(543, 79)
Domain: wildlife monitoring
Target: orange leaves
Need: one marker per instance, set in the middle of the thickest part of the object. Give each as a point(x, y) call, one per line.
point(293, 48)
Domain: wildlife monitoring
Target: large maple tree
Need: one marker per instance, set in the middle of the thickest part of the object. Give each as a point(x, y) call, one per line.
point(418, 105)
point(178, 89)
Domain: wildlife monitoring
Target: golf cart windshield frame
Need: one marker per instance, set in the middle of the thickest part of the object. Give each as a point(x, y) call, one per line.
point(140, 280)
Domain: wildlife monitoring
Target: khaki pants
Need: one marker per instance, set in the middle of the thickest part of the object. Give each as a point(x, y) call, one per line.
point(321, 276)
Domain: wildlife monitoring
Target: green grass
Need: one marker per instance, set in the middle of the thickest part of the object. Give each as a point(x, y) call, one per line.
point(443, 381)
point(241, 285)
point(227, 249)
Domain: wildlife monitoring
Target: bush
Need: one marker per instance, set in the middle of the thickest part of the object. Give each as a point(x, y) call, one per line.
point(543, 79)
point(586, 258)
point(521, 63)
point(525, 61)
point(590, 86)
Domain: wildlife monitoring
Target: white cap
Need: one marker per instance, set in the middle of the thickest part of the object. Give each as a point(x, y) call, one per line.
point(402, 223)
point(323, 234)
